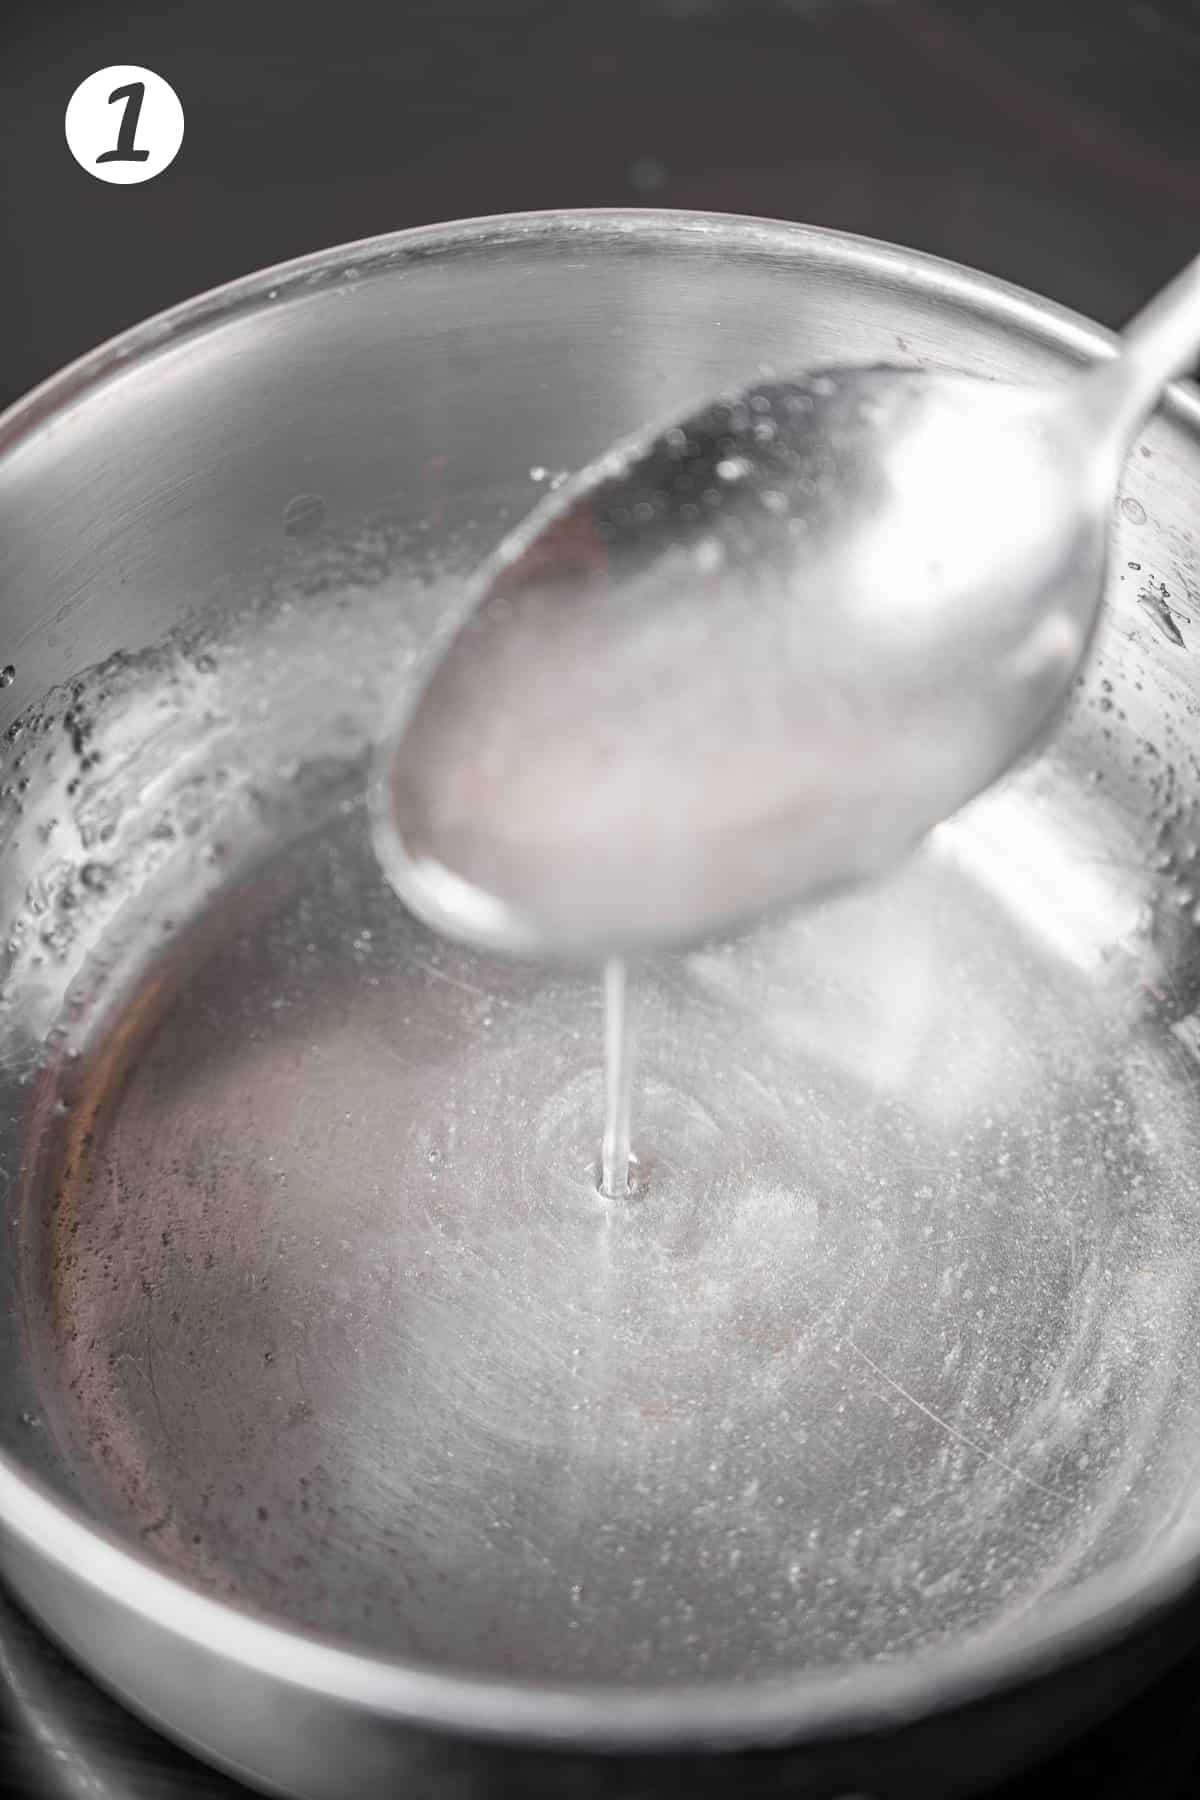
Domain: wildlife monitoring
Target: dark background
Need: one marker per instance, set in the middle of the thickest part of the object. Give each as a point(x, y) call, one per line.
point(1053, 142)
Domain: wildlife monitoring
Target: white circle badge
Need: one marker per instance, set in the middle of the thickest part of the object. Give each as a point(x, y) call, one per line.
point(124, 124)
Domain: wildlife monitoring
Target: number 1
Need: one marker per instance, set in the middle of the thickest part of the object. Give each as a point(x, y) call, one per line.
point(133, 95)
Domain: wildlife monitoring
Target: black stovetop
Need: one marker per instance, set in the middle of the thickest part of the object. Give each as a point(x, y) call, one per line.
point(1054, 142)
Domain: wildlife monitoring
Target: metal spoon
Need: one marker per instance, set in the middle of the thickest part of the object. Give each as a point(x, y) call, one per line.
point(759, 653)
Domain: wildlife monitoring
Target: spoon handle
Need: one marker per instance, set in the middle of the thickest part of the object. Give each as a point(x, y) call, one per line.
point(1159, 343)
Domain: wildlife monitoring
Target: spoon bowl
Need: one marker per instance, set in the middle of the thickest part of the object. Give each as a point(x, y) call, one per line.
point(758, 652)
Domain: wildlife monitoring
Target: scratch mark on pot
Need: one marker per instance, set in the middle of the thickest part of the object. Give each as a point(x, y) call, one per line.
point(951, 1430)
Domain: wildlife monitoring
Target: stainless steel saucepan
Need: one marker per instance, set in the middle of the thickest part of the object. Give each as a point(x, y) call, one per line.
point(345, 1432)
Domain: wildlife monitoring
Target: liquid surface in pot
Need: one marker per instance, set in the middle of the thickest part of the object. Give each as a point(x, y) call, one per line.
point(895, 1337)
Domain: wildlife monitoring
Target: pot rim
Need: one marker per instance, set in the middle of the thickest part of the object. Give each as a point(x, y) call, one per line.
point(861, 1699)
